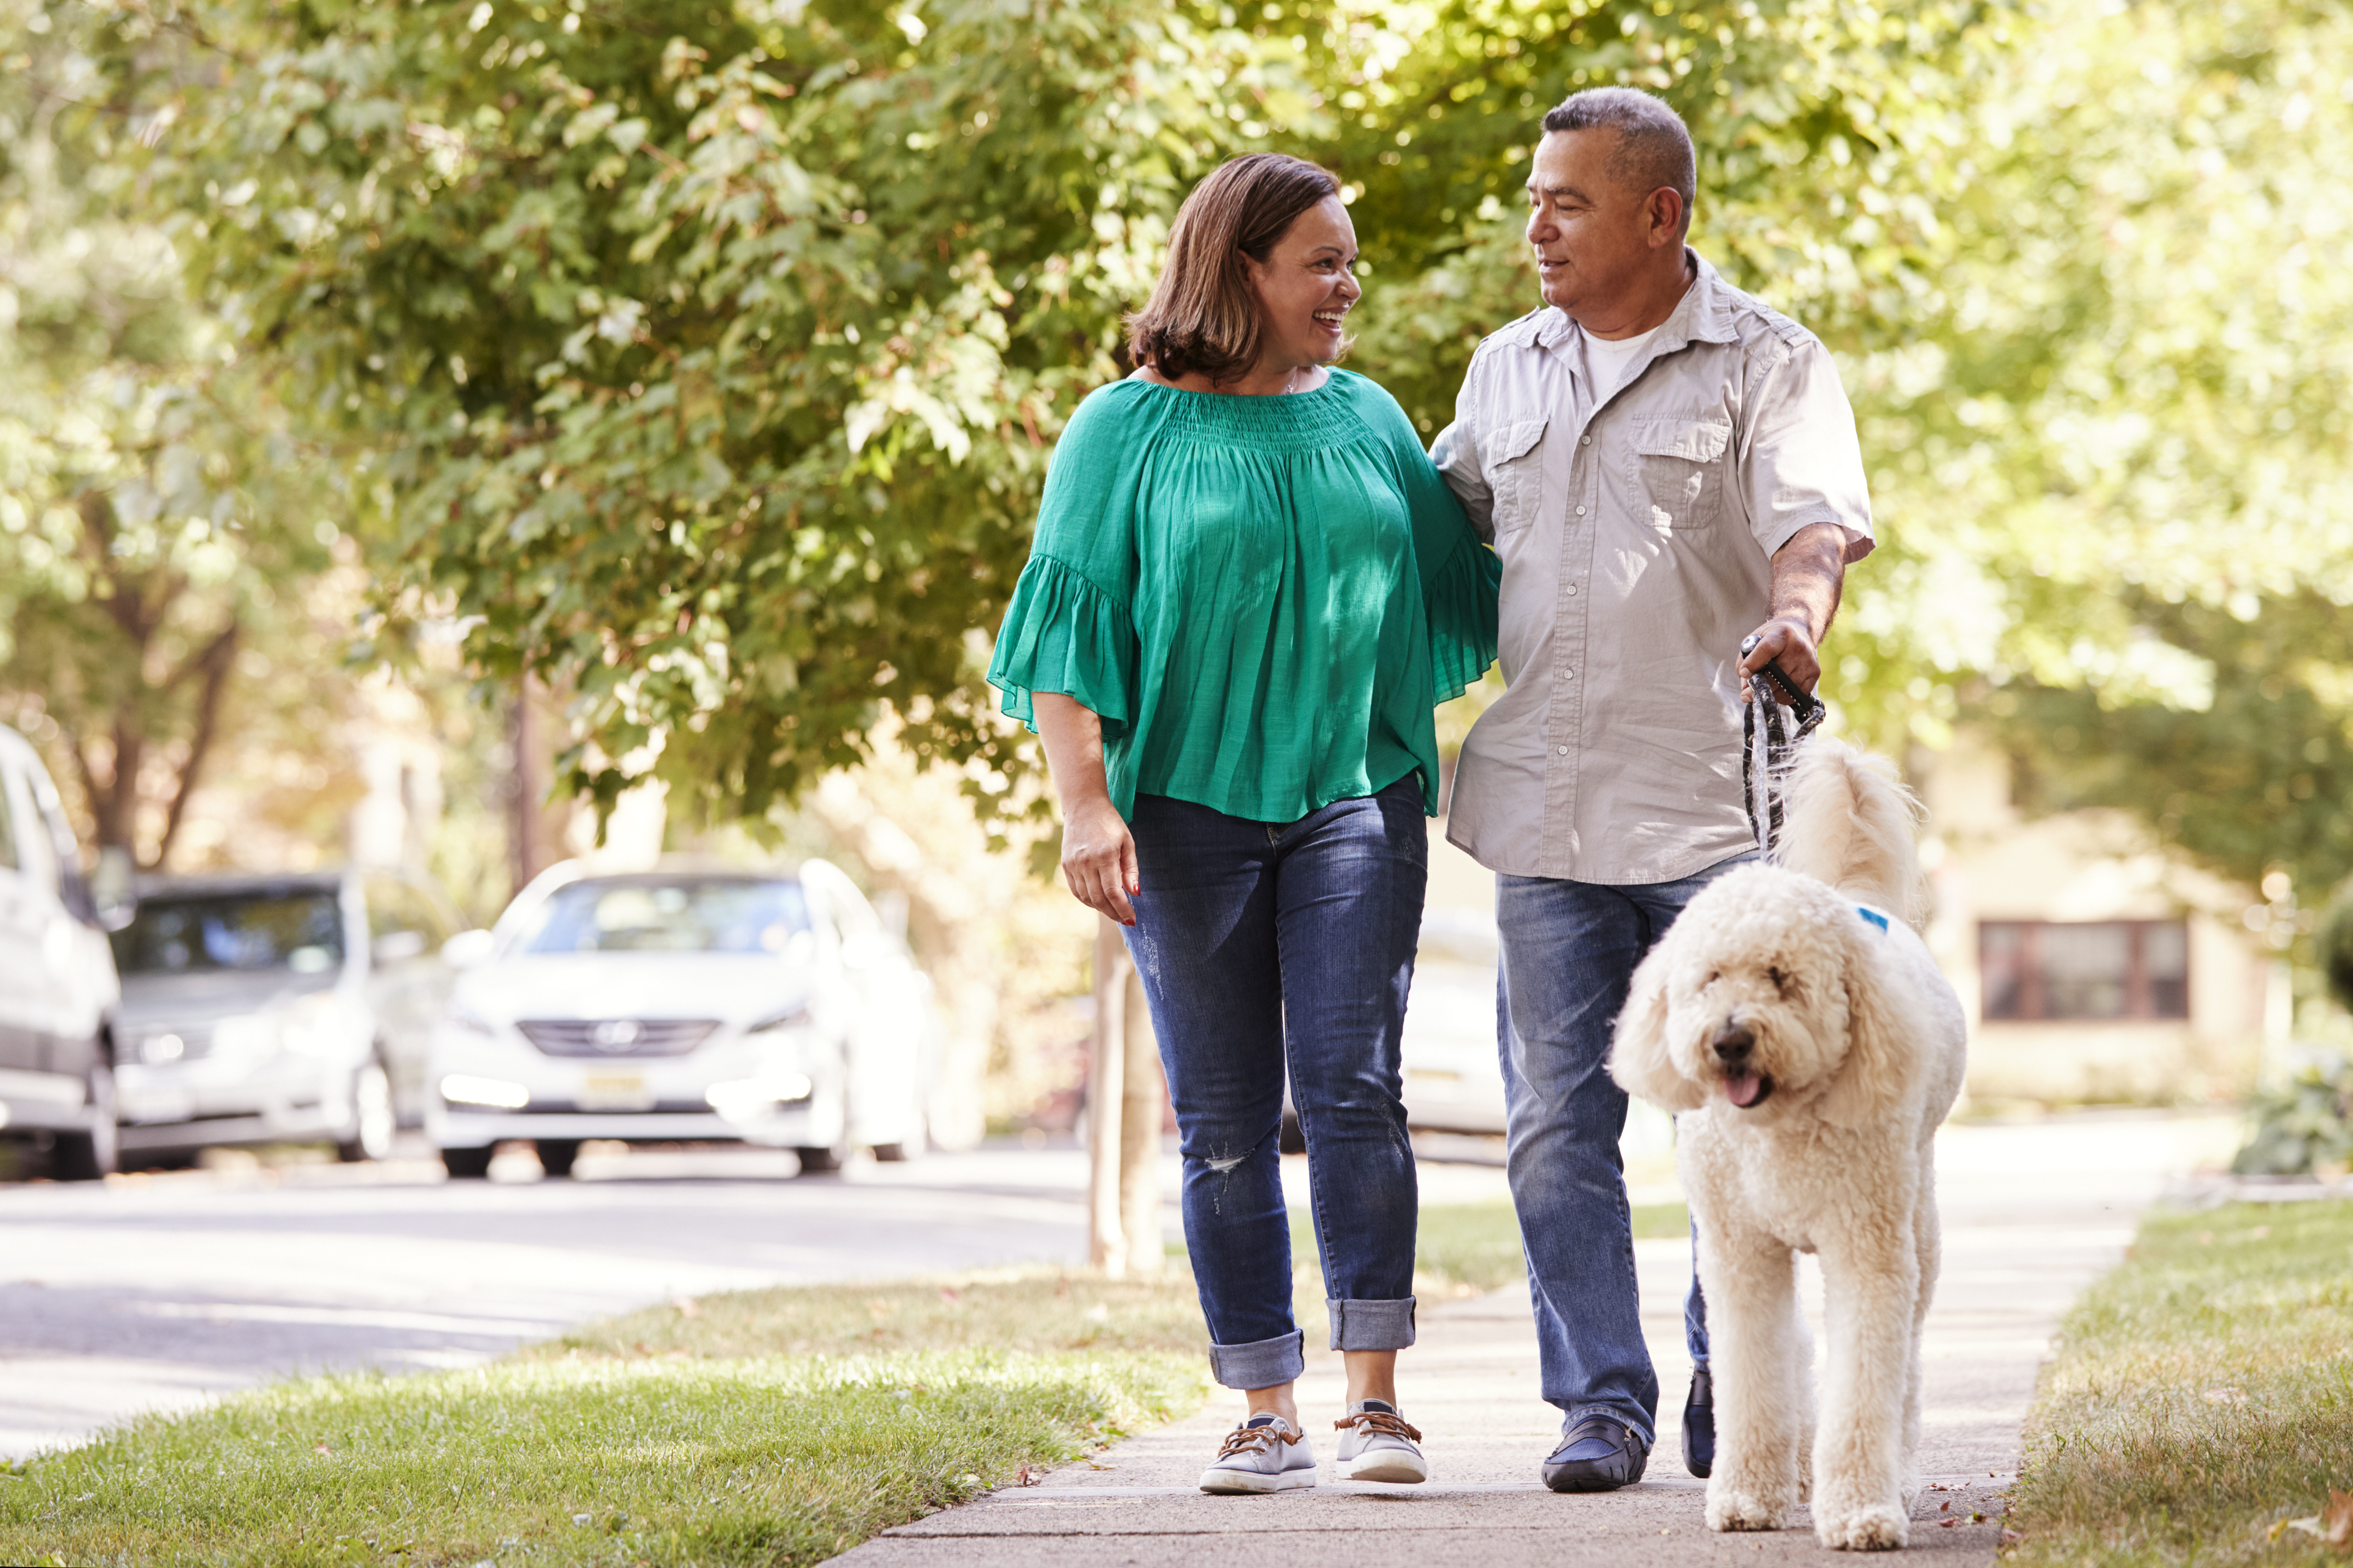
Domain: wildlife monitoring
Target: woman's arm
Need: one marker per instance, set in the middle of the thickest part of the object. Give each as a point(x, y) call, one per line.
point(1098, 851)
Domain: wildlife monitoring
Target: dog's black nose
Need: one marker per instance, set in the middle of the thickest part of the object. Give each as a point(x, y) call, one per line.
point(1733, 1041)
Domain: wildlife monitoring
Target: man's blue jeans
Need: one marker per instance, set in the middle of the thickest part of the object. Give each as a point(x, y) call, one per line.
point(1265, 943)
point(1569, 951)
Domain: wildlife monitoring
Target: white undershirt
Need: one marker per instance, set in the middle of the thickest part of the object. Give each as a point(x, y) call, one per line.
point(1613, 362)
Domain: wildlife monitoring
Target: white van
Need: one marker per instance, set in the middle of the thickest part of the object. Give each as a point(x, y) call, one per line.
point(57, 988)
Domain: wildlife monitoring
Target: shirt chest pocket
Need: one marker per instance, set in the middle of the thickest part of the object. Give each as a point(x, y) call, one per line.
point(1513, 456)
point(1678, 468)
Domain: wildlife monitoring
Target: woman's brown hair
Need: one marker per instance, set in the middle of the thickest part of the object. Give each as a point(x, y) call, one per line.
point(1202, 315)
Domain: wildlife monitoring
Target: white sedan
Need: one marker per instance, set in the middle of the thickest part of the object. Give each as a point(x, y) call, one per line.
point(688, 1006)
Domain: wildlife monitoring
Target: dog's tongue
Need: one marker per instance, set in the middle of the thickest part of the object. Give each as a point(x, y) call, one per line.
point(1743, 1091)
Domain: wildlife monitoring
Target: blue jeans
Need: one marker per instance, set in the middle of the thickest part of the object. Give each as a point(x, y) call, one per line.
point(1262, 945)
point(1569, 951)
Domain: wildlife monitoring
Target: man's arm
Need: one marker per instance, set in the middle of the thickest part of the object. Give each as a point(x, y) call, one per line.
point(1455, 453)
point(1808, 573)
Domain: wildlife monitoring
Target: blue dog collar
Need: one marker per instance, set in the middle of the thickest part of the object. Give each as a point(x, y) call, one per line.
point(1876, 917)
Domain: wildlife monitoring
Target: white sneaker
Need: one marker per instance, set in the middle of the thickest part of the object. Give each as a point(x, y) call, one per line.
point(1264, 1454)
point(1375, 1444)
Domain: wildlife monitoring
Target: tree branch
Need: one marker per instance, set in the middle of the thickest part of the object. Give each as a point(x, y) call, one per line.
point(217, 662)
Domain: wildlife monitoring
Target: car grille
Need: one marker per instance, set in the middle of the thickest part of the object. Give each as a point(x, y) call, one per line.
point(616, 1036)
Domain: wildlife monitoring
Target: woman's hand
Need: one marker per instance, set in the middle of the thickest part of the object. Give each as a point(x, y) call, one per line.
point(1099, 858)
point(1098, 852)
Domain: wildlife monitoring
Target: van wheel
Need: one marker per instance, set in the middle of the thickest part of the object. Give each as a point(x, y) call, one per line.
point(466, 1164)
point(556, 1154)
point(96, 1154)
point(818, 1162)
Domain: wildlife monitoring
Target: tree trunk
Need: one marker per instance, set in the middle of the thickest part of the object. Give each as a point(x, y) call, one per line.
point(1144, 1095)
point(1107, 1247)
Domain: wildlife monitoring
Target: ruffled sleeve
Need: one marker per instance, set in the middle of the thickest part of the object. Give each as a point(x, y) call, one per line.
point(1461, 577)
point(1071, 628)
point(1062, 633)
point(1460, 596)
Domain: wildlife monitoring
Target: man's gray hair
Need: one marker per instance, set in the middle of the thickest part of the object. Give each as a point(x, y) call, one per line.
point(1654, 146)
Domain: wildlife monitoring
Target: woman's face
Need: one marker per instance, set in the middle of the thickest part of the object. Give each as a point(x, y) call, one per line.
point(1305, 288)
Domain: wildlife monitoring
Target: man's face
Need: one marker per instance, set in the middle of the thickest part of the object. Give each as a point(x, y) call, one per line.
point(1593, 237)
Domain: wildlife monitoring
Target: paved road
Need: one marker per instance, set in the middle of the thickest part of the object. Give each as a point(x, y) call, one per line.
point(158, 1291)
point(2032, 1214)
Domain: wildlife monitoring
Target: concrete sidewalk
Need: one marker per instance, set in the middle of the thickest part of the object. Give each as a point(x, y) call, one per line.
point(2032, 1214)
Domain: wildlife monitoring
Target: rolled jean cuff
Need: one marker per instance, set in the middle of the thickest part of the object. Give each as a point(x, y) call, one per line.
point(1371, 1325)
point(1262, 1364)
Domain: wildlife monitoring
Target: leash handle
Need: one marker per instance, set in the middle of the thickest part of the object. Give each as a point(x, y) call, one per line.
point(1805, 704)
point(1766, 742)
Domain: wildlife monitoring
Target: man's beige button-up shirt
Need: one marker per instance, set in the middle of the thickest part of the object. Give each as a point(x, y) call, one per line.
point(1637, 537)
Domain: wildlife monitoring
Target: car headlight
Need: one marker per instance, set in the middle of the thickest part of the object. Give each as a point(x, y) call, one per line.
point(499, 1094)
point(794, 1017)
point(463, 1018)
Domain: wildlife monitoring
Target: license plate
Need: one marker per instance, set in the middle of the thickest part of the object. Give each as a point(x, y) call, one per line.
point(616, 1091)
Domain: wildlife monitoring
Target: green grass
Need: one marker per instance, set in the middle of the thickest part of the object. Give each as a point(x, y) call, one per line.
point(2203, 1394)
point(774, 1428)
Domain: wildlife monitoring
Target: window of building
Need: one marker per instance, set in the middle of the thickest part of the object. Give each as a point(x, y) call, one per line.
point(2046, 970)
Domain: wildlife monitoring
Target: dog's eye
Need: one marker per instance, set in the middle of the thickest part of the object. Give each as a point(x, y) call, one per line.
point(1780, 981)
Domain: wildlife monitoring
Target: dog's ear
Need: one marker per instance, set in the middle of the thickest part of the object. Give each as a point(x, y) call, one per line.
point(1880, 1064)
point(1638, 1057)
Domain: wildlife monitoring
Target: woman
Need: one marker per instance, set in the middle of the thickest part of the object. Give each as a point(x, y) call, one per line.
point(1248, 590)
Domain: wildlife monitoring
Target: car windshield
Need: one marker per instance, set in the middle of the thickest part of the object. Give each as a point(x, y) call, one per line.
point(685, 916)
point(300, 932)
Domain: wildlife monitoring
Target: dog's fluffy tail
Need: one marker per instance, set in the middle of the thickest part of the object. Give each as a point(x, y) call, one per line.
point(1846, 820)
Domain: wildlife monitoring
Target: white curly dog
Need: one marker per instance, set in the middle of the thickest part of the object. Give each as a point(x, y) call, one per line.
point(1796, 1020)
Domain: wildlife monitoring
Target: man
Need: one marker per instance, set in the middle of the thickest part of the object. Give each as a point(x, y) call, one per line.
point(1664, 464)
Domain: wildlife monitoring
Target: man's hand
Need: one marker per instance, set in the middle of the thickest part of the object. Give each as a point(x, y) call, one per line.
point(1099, 858)
point(1790, 643)
point(1808, 573)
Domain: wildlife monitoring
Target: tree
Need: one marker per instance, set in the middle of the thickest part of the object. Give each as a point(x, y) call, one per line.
point(706, 363)
point(2126, 443)
point(705, 360)
point(156, 523)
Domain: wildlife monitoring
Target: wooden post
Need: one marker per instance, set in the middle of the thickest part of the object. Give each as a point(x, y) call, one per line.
point(1144, 1095)
point(1107, 1247)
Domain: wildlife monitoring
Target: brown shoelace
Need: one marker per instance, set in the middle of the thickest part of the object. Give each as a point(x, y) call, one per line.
point(1250, 1439)
point(1379, 1421)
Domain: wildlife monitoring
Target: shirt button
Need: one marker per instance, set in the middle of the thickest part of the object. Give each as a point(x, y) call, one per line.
point(1569, 674)
point(1572, 590)
point(1562, 749)
point(1580, 512)
point(1585, 441)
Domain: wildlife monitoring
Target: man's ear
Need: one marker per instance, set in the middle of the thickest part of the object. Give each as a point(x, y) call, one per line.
point(1638, 1057)
point(1666, 211)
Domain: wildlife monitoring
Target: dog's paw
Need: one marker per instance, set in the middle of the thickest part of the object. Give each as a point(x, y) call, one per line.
point(1874, 1527)
point(1736, 1508)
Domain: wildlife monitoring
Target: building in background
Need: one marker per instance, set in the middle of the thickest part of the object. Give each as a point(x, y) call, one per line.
point(2094, 966)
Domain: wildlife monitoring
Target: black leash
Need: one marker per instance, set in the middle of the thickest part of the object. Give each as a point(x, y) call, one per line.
point(1763, 729)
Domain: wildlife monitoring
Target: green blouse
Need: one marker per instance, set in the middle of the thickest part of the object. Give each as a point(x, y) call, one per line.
point(1261, 597)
